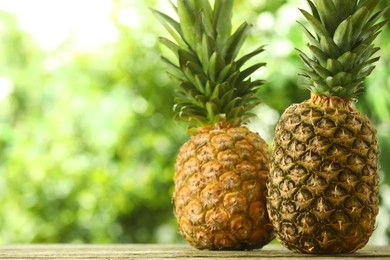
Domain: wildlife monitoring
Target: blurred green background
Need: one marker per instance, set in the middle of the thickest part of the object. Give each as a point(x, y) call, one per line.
point(87, 140)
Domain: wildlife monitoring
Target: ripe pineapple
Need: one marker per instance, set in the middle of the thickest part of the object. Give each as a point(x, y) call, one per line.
point(323, 184)
point(221, 172)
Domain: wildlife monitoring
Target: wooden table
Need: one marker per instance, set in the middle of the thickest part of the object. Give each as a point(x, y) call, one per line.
point(156, 251)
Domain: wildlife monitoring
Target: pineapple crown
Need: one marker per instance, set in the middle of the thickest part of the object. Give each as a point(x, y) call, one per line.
point(213, 86)
point(342, 50)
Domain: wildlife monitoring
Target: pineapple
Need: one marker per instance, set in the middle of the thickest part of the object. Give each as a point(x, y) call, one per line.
point(323, 184)
point(221, 171)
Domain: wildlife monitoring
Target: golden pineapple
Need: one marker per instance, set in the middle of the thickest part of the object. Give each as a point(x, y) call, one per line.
point(323, 184)
point(221, 172)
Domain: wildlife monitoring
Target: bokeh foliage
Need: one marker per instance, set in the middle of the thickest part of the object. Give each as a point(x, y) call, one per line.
point(87, 140)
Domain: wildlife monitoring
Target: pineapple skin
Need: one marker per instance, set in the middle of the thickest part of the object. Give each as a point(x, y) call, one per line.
point(220, 189)
point(323, 188)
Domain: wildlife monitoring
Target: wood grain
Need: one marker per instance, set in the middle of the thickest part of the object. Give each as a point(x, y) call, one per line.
point(160, 251)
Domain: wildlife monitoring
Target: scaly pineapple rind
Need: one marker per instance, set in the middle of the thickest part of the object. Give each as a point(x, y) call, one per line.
point(323, 188)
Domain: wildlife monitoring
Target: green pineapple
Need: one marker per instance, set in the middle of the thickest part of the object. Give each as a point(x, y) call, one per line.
point(323, 185)
point(221, 172)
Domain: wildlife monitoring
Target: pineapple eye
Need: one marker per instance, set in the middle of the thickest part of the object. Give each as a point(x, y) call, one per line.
point(235, 202)
point(343, 133)
point(303, 195)
point(329, 166)
point(293, 120)
point(347, 177)
point(230, 180)
point(298, 172)
point(288, 207)
point(217, 218)
point(286, 185)
point(340, 220)
point(205, 153)
point(222, 142)
point(336, 191)
point(323, 206)
point(359, 144)
point(194, 212)
point(355, 160)
point(352, 203)
point(326, 123)
point(363, 189)
point(296, 147)
point(368, 171)
point(287, 159)
point(306, 220)
point(288, 230)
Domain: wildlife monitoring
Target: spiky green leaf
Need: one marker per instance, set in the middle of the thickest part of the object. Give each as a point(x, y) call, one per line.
point(172, 27)
point(216, 65)
point(234, 43)
point(207, 12)
point(321, 71)
point(170, 45)
point(328, 14)
point(358, 20)
point(312, 40)
point(314, 10)
point(369, 4)
point(306, 60)
point(343, 78)
point(248, 56)
point(348, 60)
point(206, 25)
point(236, 112)
point(226, 72)
point(188, 74)
point(227, 97)
point(374, 18)
point(222, 21)
point(250, 70)
point(344, 36)
point(329, 46)
point(187, 16)
point(345, 8)
point(186, 56)
point(368, 41)
point(319, 55)
point(173, 65)
point(212, 111)
point(209, 88)
point(208, 70)
point(200, 83)
point(207, 50)
point(316, 24)
point(333, 66)
point(231, 104)
point(216, 92)
point(371, 33)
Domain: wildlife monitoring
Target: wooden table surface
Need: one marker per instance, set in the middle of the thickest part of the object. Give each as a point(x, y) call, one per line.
point(161, 251)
